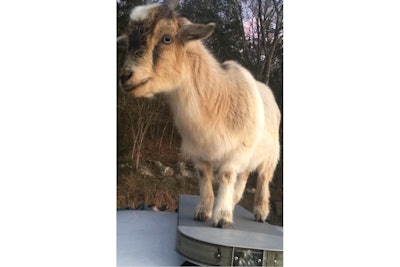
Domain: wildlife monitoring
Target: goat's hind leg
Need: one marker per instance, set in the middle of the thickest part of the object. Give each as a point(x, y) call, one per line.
point(261, 198)
point(204, 207)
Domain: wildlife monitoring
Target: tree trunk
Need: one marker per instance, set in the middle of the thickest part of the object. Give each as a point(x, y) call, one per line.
point(271, 53)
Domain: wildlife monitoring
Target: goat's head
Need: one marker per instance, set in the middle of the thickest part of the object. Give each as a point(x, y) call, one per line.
point(155, 41)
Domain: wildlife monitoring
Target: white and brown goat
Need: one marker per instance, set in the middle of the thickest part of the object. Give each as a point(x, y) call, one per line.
point(228, 121)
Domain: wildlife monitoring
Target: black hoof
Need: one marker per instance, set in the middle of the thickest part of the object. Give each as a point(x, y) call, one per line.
point(221, 224)
point(201, 216)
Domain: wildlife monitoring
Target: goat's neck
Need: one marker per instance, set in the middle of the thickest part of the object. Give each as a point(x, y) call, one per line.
point(204, 88)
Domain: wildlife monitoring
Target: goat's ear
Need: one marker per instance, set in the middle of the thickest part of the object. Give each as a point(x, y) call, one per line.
point(122, 41)
point(172, 4)
point(191, 32)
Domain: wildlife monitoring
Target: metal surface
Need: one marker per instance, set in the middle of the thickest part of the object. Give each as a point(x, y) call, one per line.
point(201, 243)
point(245, 232)
point(146, 238)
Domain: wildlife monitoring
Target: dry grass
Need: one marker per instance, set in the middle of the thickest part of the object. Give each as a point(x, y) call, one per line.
point(134, 189)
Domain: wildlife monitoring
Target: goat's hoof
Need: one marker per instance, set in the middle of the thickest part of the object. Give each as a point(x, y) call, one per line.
point(258, 218)
point(221, 223)
point(222, 218)
point(201, 216)
point(260, 215)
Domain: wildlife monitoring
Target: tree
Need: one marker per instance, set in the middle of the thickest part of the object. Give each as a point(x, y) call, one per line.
point(226, 41)
point(124, 8)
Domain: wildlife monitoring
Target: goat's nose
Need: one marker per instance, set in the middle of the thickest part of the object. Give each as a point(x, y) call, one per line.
point(125, 74)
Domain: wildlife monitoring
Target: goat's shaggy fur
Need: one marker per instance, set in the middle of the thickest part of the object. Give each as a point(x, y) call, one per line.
point(228, 121)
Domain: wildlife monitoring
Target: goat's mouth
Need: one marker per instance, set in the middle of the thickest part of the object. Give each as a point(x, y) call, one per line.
point(128, 88)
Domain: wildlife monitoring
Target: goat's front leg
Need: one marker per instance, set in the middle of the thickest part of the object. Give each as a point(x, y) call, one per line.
point(204, 207)
point(223, 211)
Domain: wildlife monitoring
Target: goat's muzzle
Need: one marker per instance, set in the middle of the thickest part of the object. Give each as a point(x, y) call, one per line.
point(127, 83)
point(125, 75)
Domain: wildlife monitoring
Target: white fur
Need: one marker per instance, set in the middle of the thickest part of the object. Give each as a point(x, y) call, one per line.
point(139, 13)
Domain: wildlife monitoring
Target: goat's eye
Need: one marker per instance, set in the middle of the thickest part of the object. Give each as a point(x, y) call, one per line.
point(167, 39)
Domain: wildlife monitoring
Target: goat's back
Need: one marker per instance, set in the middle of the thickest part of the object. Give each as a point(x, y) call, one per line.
point(267, 153)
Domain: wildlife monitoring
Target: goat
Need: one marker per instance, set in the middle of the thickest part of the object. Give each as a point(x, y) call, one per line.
point(228, 121)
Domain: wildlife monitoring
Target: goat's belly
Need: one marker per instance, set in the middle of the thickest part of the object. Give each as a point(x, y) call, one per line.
point(233, 156)
point(206, 151)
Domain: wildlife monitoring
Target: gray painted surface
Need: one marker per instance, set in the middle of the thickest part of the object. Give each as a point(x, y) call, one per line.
point(146, 238)
point(245, 232)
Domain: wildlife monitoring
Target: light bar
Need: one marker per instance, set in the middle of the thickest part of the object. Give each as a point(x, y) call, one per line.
point(245, 243)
